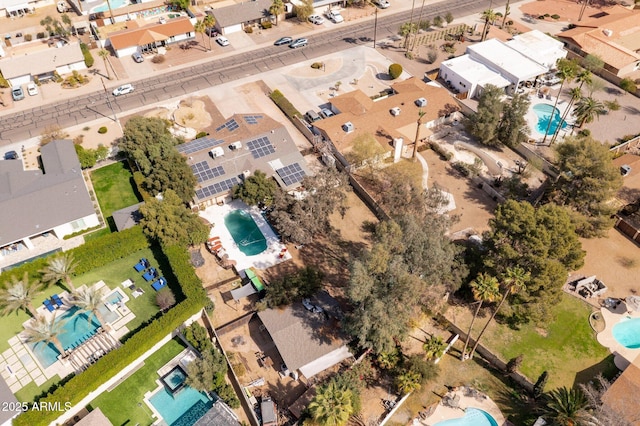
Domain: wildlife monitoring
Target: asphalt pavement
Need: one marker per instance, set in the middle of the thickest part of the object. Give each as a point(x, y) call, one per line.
point(78, 110)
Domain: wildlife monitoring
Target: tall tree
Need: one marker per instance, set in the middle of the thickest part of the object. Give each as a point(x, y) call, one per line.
point(276, 8)
point(209, 22)
point(515, 279)
point(587, 109)
point(567, 70)
point(512, 129)
point(485, 288)
point(588, 181)
point(332, 405)
point(104, 54)
point(421, 115)
point(60, 268)
point(39, 329)
point(566, 407)
point(200, 28)
point(170, 222)
point(592, 62)
point(583, 77)
point(256, 189)
point(90, 300)
point(507, 12)
point(483, 124)
point(407, 381)
point(434, 347)
point(18, 295)
point(488, 15)
point(411, 25)
point(304, 9)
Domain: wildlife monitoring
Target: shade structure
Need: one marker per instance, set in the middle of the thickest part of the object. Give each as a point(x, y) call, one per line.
point(633, 303)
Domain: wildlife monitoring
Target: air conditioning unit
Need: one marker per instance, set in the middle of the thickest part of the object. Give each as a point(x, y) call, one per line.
point(246, 174)
point(395, 111)
point(348, 127)
point(217, 152)
point(607, 32)
point(421, 102)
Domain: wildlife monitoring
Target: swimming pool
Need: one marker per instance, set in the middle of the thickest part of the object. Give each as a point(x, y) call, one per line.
point(627, 333)
point(543, 112)
point(174, 379)
point(183, 408)
point(472, 417)
point(115, 4)
point(245, 232)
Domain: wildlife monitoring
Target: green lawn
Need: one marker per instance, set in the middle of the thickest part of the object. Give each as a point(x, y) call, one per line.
point(114, 187)
point(29, 392)
point(567, 348)
point(124, 404)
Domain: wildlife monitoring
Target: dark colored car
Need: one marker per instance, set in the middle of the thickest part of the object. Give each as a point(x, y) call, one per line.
point(17, 93)
point(283, 40)
point(11, 155)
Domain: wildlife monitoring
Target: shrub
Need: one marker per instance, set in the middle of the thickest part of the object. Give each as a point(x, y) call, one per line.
point(448, 17)
point(541, 17)
point(4, 84)
point(317, 65)
point(40, 35)
point(395, 71)
point(266, 25)
point(102, 130)
point(248, 30)
point(555, 16)
point(158, 59)
point(546, 15)
point(201, 135)
point(443, 153)
point(283, 103)
point(88, 58)
point(28, 37)
point(438, 21)
point(584, 133)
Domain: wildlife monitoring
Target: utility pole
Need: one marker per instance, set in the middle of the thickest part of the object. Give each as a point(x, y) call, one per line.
point(375, 29)
point(106, 94)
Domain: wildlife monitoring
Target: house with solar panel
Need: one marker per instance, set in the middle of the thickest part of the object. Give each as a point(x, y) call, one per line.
point(235, 149)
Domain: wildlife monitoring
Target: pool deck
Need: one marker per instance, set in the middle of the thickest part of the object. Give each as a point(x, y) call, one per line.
point(532, 118)
point(264, 260)
point(622, 356)
point(469, 398)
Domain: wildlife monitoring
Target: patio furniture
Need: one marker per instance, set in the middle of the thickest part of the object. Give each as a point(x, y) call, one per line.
point(47, 304)
point(140, 266)
point(56, 300)
point(159, 284)
point(128, 283)
point(150, 274)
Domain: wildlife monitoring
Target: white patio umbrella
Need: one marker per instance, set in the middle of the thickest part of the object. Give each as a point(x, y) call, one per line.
point(633, 303)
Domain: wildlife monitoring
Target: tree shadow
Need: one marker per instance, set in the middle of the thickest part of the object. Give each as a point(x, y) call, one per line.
point(606, 367)
point(631, 110)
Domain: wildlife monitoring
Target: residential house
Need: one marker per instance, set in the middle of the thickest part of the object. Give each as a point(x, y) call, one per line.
point(17, 8)
point(236, 17)
point(140, 36)
point(25, 63)
point(40, 203)
point(238, 147)
point(622, 396)
point(308, 338)
point(613, 36)
point(388, 119)
point(7, 398)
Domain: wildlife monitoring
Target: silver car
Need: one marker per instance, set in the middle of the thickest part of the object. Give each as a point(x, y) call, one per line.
point(123, 90)
point(301, 42)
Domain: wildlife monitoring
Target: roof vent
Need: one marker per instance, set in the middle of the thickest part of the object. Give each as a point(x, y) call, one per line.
point(421, 102)
point(235, 145)
point(607, 32)
point(395, 111)
point(348, 127)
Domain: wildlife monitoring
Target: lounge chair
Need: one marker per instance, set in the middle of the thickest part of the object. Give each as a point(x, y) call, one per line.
point(140, 266)
point(47, 304)
point(56, 299)
point(161, 282)
point(150, 274)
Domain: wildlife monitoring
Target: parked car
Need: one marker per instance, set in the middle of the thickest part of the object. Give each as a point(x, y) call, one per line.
point(211, 32)
point(137, 57)
point(301, 42)
point(222, 41)
point(335, 16)
point(316, 19)
point(32, 89)
point(283, 40)
point(382, 4)
point(10, 155)
point(326, 113)
point(17, 94)
point(123, 90)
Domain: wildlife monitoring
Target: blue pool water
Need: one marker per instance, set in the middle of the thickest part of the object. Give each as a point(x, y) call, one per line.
point(76, 329)
point(543, 111)
point(472, 417)
point(175, 379)
point(114, 5)
point(183, 408)
point(627, 333)
point(114, 298)
point(245, 232)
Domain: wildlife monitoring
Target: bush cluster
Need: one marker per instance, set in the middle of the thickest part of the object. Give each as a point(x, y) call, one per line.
point(395, 71)
point(88, 58)
point(283, 103)
point(102, 130)
point(443, 153)
point(266, 25)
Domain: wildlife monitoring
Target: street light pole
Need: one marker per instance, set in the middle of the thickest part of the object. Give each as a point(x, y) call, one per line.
point(106, 94)
point(375, 29)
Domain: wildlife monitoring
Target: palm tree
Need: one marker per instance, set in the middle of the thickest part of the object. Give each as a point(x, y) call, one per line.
point(587, 109)
point(406, 40)
point(60, 268)
point(408, 381)
point(507, 11)
point(489, 15)
point(566, 71)
point(200, 28)
point(434, 347)
point(576, 93)
point(89, 301)
point(515, 279)
point(104, 53)
point(39, 329)
point(565, 407)
point(421, 115)
point(485, 288)
point(276, 8)
point(415, 39)
point(209, 23)
point(332, 405)
point(19, 295)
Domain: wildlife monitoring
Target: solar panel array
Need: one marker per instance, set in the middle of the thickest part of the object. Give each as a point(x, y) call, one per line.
point(198, 145)
point(291, 174)
point(260, 147)
point(216, 188)
point(231, 125)
point(252, 119)
point(203, 173)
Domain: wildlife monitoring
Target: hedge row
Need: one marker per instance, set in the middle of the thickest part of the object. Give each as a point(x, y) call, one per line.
point(115, 361)
point(283, 103)
point(91, 255)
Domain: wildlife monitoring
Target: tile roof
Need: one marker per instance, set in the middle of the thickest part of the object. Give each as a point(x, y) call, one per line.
point(622, 395)
point(138, 35)
point(41, 61)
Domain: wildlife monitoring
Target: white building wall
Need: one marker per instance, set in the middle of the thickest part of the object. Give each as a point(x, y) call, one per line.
point(232, 29)
point(128, 51)
point(458, 82)
point(18, 81)
point(76, 66)
point(77, 225)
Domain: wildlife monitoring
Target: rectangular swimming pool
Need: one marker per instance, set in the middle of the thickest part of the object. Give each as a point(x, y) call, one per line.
point(183, 408)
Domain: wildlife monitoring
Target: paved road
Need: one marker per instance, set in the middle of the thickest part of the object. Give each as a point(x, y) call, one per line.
point(81, 109)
